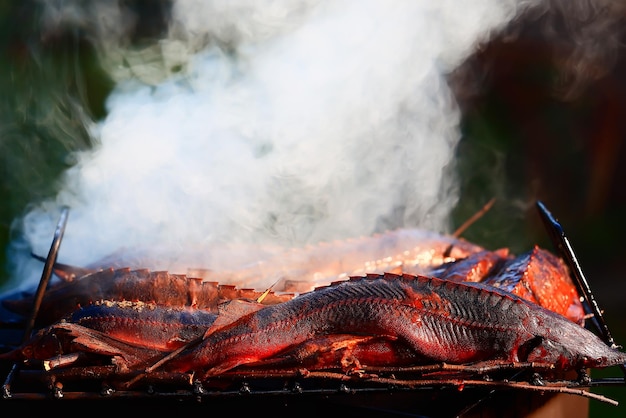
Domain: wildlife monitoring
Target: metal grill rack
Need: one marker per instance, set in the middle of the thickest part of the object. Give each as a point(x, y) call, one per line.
point(378, 392)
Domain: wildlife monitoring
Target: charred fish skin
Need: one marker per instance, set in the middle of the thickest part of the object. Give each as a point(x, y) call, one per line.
point(137, 325)
point(536, 275)
point(145, 324)
point(123, 284)
point(440, 320)
point(541, 277)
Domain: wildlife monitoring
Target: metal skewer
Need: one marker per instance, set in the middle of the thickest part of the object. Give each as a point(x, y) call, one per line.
point(47, 272)
point(43, 283)
point(560, 241)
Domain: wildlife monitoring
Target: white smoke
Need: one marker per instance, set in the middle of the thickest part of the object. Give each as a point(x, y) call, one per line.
point(288, 123)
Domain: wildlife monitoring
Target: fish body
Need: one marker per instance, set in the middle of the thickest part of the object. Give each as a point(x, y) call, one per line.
point(536, 275)
point(145, 324)
point(440, 320)
point(125, 285)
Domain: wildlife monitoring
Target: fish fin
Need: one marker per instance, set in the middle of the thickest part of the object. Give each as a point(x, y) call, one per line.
point(91, 341)
point(65, 272)
point(527, 347)
point(231, 311)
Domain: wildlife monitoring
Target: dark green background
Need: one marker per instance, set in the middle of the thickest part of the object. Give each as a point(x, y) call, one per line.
point(523, 140)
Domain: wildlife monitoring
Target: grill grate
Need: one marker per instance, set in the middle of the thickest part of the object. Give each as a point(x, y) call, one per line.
point(96, 382)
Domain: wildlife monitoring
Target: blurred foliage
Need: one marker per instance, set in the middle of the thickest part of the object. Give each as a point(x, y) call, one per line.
point(523, 142)
point(51, 87)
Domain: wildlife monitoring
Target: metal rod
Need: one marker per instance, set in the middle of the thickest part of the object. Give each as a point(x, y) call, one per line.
point(6, 386)
point(43, 283)
point(47, 271)
point(560, 241)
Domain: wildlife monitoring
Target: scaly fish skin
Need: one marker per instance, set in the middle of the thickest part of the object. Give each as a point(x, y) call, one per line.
point(440, 320)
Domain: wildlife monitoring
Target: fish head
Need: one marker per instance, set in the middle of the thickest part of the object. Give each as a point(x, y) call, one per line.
point(590, 352)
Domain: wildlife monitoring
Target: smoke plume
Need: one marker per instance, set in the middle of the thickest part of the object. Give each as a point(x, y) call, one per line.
point(281, 123)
